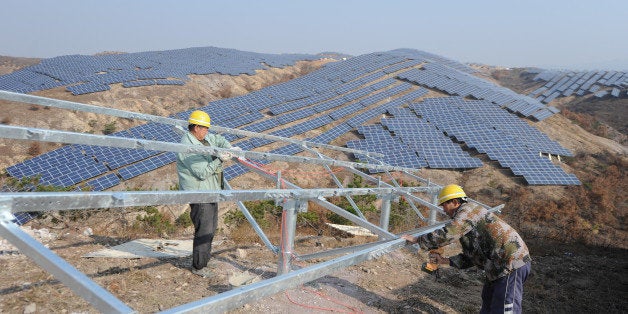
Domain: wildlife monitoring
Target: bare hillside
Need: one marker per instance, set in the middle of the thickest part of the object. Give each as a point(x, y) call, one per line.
point(10, 64)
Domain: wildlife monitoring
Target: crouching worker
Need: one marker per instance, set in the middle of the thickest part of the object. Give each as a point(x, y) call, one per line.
point(202, 172)
point(488, 243)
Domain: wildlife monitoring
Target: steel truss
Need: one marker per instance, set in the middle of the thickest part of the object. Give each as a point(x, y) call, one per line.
point(293, 200)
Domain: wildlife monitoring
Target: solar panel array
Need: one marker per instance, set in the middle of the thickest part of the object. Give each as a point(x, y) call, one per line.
point(567, 83)
point(341, 96)
point(438, 151)
point(89, 74)
point(446, 79)
point(502, 137)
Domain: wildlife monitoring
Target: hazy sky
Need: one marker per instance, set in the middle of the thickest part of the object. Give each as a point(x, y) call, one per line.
point(571, 34)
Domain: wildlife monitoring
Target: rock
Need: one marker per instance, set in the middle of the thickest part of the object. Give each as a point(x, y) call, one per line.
point(88, 231)
point(31, 308)
point(241, 253)
point(244, 278)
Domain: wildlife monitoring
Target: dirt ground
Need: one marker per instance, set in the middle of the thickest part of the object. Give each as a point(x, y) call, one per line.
point(565, 278)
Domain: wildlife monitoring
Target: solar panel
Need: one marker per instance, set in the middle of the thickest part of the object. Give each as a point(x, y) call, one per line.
point(104, 182)
point(361, 86)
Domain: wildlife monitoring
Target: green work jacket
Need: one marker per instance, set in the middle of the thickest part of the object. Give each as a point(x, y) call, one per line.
point(200, 172)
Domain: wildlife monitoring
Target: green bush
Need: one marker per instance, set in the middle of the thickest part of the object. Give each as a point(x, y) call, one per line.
point(31, 184)
point(184, 220)
point(308, 218)
point(366, 203)
point(154, 221)
point(262, 211)
point(109, 128)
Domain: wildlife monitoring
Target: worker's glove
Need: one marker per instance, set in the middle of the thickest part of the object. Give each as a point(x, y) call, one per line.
point(240, 157)
point(225, 156)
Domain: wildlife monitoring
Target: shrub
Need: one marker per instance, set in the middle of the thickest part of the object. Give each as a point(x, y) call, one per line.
point(592, 213)
point(184, 219)
point(109, 128)
point(31, 184)
point(264, 213)
point(153, 221)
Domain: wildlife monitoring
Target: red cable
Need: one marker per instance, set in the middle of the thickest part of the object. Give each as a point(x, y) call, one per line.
point(355, 310)
point(352, 309)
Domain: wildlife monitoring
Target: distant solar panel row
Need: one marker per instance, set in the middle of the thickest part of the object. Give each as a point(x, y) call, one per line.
point(566, 83)
point(95, 73)
point(463, 84)
point(493, 131)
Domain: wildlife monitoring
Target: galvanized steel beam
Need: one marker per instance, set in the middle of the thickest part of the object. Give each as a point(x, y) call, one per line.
point(46, 201)
point(56, 136)
point(253, 222)
point(64, 104)
point(71, 277)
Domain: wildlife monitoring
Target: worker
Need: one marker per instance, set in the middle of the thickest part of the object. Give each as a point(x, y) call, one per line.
point(488, 243)
point(202, 172)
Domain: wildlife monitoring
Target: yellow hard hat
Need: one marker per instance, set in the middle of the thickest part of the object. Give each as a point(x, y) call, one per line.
point(450, 192)
point(199, 117)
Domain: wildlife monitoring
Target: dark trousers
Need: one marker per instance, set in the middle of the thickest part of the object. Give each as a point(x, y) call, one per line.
point(205, 219)
point(504, 295)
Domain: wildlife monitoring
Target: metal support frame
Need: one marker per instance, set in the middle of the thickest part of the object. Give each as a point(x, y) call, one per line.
point(104, 301)
point(46, 135)
point(290, 196)
point(337, 210)
point(430, 189)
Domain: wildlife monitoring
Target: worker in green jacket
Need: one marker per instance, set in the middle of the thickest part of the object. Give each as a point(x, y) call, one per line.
point(202, 172)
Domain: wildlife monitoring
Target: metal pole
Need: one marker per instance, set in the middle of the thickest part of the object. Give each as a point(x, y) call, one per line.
point(384, 218)
point(288, 230)
point(56, 136)
point(253, 223)
point(432, 219)
point(64, 104)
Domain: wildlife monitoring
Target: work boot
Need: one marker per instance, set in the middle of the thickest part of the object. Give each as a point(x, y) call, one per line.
point(204, 272)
